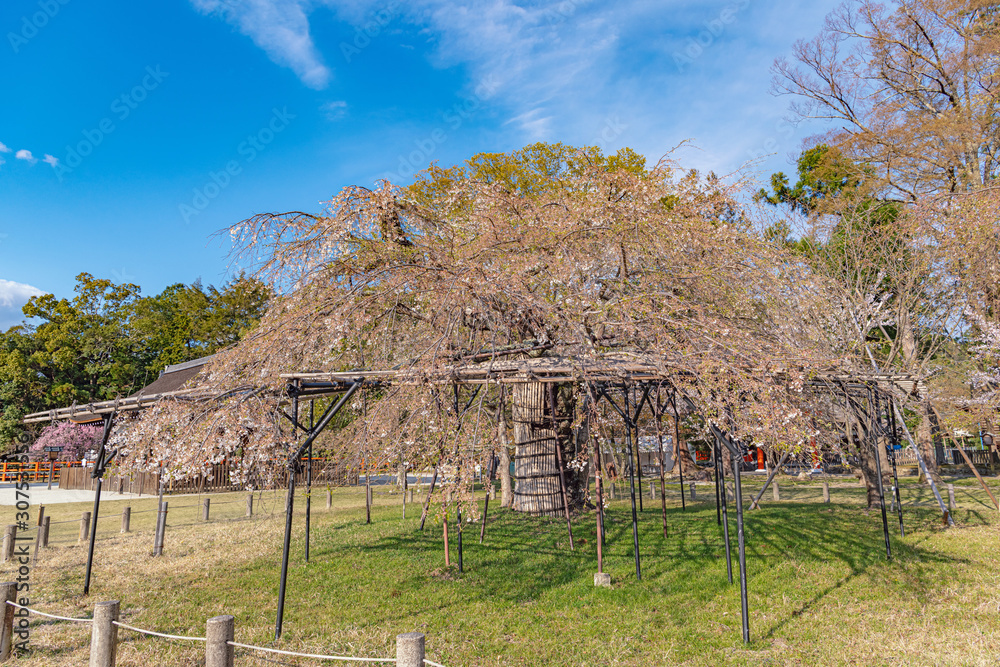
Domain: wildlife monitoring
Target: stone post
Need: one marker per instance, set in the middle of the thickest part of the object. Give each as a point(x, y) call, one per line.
point(826, 492)
point(221, 631)
point(410, 650)
point(952, 505)
point(126, 519)
point(249, 504)
point(691, 488)
point(104, 634)
point(775, 490)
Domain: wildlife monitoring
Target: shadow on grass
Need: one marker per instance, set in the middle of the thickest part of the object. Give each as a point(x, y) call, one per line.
point(526, 560)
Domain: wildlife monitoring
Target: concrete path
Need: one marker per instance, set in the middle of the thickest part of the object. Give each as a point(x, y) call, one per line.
point(39, 495)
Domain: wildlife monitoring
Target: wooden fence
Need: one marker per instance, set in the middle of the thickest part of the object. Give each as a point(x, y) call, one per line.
point(149, 483)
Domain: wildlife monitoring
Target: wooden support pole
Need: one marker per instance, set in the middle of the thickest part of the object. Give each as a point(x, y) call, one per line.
point(826, 492)
point(329, 498)
point(9, 538)
point(45, 531)
point(161, 529)
point(952, 505)
point(754, 504)
point(8, 593)
point(691, 490)
point(104, 634)
point(126, 519)
point(41, 514)
point(776, 491)
point(205, 508)
point(84, 527)
point(249, 512)
point(447, 553)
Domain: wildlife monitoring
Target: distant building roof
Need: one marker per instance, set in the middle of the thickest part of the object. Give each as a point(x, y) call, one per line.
point(171, 380)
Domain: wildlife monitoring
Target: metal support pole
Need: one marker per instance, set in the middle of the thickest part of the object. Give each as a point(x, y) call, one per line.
point(282, 586)
point(458, 522)
point(725, 515)
point(718, 497)
point(881, 501)
point(744, 605)
point(309, 474)
point(599, 483)
point(93, 536)
point(638, 450)
point(427, 502)
point(893, 441)
point(486, 506)
point(635, 519)
point(663, 480)
point(100, 464)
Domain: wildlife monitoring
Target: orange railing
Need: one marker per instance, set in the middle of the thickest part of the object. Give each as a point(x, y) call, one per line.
point(36, 471)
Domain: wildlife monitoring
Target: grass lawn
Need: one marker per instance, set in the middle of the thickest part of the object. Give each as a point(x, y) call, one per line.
point(821, 591)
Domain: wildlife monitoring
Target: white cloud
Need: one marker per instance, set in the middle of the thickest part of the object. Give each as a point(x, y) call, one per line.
point(280, 28)
point(51, 159)
point(568, 70)
point(25, 155)
point(4, 148)
point(334, 110)
point(13, 296)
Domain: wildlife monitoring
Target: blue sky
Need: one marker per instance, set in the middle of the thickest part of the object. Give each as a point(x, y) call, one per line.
point(133, 131)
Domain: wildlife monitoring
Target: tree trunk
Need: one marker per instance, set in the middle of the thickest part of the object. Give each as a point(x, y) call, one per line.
point(867, 451)
point(506, 489)
point(925, 441)
point(538, 489)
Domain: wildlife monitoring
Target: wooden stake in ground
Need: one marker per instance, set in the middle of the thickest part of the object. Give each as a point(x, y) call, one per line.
point(447, 554)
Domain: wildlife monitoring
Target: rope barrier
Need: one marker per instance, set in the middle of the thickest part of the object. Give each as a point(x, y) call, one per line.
point(159, 634)
point(42, 613)
point(309, 655)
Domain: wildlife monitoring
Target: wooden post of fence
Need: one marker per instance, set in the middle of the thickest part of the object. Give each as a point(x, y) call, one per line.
point(410, 650)
point(84, 527)
point(8, 593)
point(952, 505)
point(126, 519)
point(329, 497)
point(161, 529)
point(691, 488)
point(41, 514)
point(826, 492)
point(775, 490)
point(45, 531)
point(9, 537)
point(104, 634)
point(652, 491)
point(205, 508)
point(221, 631)
point(249, 504)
